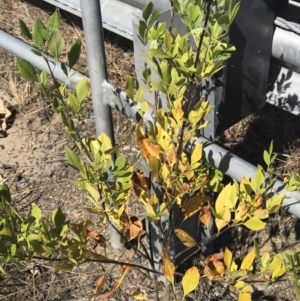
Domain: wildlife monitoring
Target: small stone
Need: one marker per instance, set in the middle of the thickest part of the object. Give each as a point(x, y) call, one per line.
point(2, 147)
point(49, 146)
point(17, 178)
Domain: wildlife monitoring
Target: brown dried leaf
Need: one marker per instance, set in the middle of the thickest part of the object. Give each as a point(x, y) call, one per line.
point(214, 269)
point(115, 286)
point(205, 216)
point(125, 267)
point(136, 228)
point(99, 284)
point(98, 238)
point(171, 157)
point(216, 256)
point(147, 148)
point(140, 182)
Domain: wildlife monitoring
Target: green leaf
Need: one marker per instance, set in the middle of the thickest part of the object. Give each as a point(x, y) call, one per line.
point(234, 11)
point(139, 95)
point(92, 191)
point(25, 30)
point(58, 218)
point(147, 11)
point(64, 69)
point(37, 33)
point(46, 34)
point(82, 89)
point(159, 53)
point(73, 102)
point(74, 53)
point(5, 192)
point(44, 77)
point(73, 159)
point(36, 52)
point(224, 21)
point(159, 87)
point(297, 291)
point(6, 234)
point(129, 87)
point(54, 22)
point(36, 212)
point(37, 247)
point(120, 162)
point(267, 158)
point(56, 45)
point(3, 249)
point(26, 70)
point(255, 224)
point(31, 237)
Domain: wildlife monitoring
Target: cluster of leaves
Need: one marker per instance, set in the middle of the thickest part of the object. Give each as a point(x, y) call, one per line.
point(168, 143)
point(178, 180)
point(22, 239)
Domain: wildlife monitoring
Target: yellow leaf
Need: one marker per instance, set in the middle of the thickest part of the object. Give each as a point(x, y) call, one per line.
point(247, 289)
point(248, 260)
point(224, 220)
point(278, 272)
point(273, 204)
point(225, 199)
point(261, 213)
point(178, 113)
point(151, 215)
point(254, 224)
point(105, 142)
point(196, 154)
point(244, 297)
point(185, 238)
point(228, 260)
point(168, 267)
point(220, 223)
point(239, 284)
point(190, 280)
point(139, 296)
point(265, 259)
point(163, 139)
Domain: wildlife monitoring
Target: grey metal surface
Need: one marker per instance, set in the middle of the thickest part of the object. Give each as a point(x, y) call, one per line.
point(247, 70)
point(284, 89)
point(93, 33)
point(23, 50)
point(116, 15)
point(286, 46)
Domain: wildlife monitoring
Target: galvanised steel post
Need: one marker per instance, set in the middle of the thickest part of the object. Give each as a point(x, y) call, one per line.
point(93, 34)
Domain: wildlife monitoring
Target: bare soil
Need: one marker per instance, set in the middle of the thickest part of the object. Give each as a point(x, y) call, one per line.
point(32, 161)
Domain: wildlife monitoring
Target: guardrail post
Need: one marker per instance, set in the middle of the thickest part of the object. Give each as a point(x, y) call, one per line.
point(93, 34)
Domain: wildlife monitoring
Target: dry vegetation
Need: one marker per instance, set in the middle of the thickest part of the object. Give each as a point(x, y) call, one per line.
point(44, 181)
